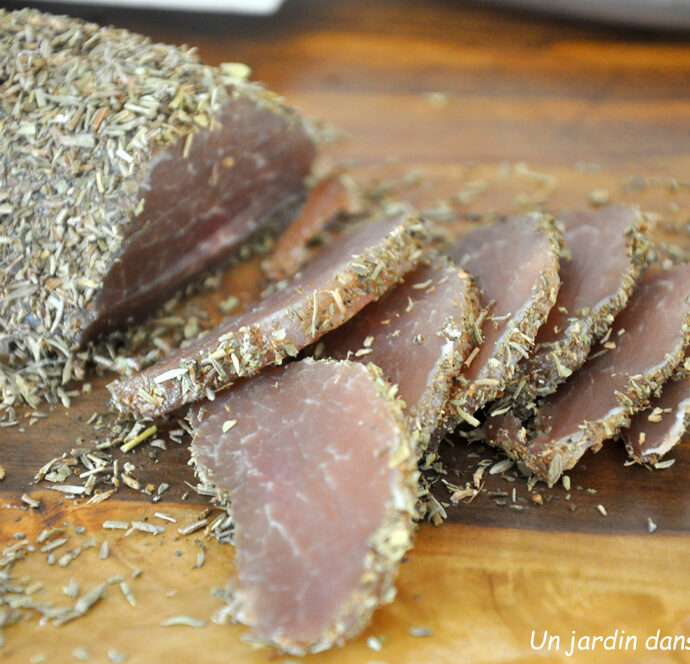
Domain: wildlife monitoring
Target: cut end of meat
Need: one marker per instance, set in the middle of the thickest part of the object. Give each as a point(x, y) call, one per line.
point(419, 334)
point(317, 462)
point(606, 251)
point(197, 209)
point(348, 274)
point(515, 267)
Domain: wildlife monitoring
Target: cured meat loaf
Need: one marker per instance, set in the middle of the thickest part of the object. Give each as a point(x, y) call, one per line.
point(317, 462)
point(345, 276)
point(126, 167)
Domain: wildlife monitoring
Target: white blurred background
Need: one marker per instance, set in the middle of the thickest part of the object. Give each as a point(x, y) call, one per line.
point(236, 6)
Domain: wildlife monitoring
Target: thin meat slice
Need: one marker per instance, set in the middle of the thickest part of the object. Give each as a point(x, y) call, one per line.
point(658, 429)
point(140, 167)
point(515, 267)
point(419, 334)
point(648, 343)
point(317, 462)
point(606, 252)
point(330, 197)
point(348, 274)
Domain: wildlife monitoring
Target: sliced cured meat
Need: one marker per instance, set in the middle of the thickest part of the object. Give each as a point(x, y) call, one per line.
point(345, 276)
point(419, 334)
point(659, 428)
point(317, 462)
point(127, 167)
point(515, 267)
point(648, 343)
point(606, 252)
point(329, 197)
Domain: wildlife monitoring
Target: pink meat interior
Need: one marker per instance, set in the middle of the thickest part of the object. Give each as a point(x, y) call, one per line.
point(309, 482)
point(506, 260)
point(407, 341)
point(198, 210)
point(599, 260)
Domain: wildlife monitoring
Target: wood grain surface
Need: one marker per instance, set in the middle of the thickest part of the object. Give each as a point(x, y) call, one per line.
point(487, 112)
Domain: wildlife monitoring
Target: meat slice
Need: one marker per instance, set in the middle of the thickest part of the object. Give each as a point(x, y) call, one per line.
point(656, 430)
point(606, 252)
point(317, 462)
point(126, 167)
point(515, 267)
point(419, 334)
point(330, 197)
point(648, 343)
point(345, 276)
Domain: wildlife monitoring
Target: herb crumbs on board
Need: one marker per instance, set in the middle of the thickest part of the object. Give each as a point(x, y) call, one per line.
point(420, 631)
point(115, 525)
point(187, 621)
point(192, 527)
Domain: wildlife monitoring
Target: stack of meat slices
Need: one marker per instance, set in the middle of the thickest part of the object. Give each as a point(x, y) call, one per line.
point(607, 351)
point(520, 331)
point(318, 458)
point(646, 345)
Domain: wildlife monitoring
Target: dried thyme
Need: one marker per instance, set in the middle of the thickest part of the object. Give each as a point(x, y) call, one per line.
point(192, 527)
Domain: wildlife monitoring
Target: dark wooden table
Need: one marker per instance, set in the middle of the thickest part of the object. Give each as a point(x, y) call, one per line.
point(512, 111)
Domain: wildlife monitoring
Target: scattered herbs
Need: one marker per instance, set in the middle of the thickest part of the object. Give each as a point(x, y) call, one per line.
point(187, 621)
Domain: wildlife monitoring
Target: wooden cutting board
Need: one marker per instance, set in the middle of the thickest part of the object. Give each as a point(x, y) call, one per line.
point(490, 112)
